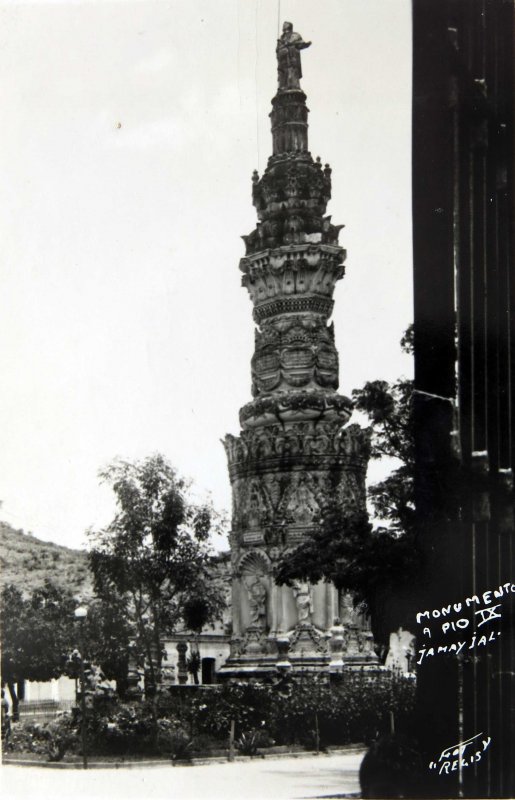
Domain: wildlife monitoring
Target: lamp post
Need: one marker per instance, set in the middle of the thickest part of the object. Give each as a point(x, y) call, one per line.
point(80, 614)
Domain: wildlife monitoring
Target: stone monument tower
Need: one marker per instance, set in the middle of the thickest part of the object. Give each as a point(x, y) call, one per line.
point(294, 451)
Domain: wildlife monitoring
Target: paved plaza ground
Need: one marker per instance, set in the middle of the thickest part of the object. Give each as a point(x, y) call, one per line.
point(322, 776)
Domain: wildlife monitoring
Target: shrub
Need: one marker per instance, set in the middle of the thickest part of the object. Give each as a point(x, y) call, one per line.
point(249, 705)
point(173, 741)
point(62, 736)
point(121, 729)
point(249, 742)
point(24, 739)
point(51, 740)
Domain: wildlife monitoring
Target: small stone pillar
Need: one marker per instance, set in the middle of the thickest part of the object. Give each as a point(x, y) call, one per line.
point(366, 644)
point(254, 640)
point(182, 669)
point(336, 644)
point(283, 662)
point(236, 646)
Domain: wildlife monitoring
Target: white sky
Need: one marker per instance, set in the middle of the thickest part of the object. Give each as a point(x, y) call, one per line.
point(129, 132)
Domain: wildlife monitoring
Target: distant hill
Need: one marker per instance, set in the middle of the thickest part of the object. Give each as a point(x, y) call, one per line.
point(27, 561)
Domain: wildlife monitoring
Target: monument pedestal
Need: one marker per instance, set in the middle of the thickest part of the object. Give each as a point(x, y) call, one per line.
point(305, 648)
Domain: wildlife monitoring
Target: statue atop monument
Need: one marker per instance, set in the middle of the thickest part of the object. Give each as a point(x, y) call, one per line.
point(289, 71)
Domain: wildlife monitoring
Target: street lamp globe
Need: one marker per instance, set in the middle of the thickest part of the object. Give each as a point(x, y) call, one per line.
point(81, 612)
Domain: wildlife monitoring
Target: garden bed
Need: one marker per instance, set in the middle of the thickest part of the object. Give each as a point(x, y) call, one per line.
point(287, 718)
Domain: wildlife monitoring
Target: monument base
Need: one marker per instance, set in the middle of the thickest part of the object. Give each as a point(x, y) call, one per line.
point(303, 649)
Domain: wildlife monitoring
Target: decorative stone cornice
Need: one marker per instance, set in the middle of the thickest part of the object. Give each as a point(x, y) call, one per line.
point(307, 255)
point(299, 445)
point(293, 305)
point(296, 406)
point(298, 270)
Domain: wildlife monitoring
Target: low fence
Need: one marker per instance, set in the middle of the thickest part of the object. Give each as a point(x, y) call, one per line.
point(43, 710)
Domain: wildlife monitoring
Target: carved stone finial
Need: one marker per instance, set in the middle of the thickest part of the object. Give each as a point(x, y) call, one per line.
point(289, 70)
point(283, 662)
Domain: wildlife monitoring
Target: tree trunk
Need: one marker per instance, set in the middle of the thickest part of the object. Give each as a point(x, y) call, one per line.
point(14, 697)
point(158, 646)
point(121, 686)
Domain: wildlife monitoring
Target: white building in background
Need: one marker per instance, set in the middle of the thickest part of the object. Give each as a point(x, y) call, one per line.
point(59, 689)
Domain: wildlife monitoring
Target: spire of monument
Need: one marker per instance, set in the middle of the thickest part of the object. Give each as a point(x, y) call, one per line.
point(292, 195)
point(289, 112)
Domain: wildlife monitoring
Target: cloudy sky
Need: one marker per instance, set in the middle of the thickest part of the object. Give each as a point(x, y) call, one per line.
point(129, 134)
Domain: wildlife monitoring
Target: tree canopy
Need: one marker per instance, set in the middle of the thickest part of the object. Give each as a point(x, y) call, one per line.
point(154, 558)
point(388, 407)
point(35, 632)
point(39, 630)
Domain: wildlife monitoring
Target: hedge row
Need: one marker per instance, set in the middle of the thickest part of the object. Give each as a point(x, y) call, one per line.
point(305, 711)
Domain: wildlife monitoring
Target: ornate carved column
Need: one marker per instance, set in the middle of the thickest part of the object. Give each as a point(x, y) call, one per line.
point(295, 449)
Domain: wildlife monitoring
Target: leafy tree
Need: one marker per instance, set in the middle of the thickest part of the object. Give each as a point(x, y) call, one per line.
point(389, 410)
point(377, 563)
point(388, 407)
point(35, 633)
point(154, 558)
point(12, 639)
point(38, 631)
